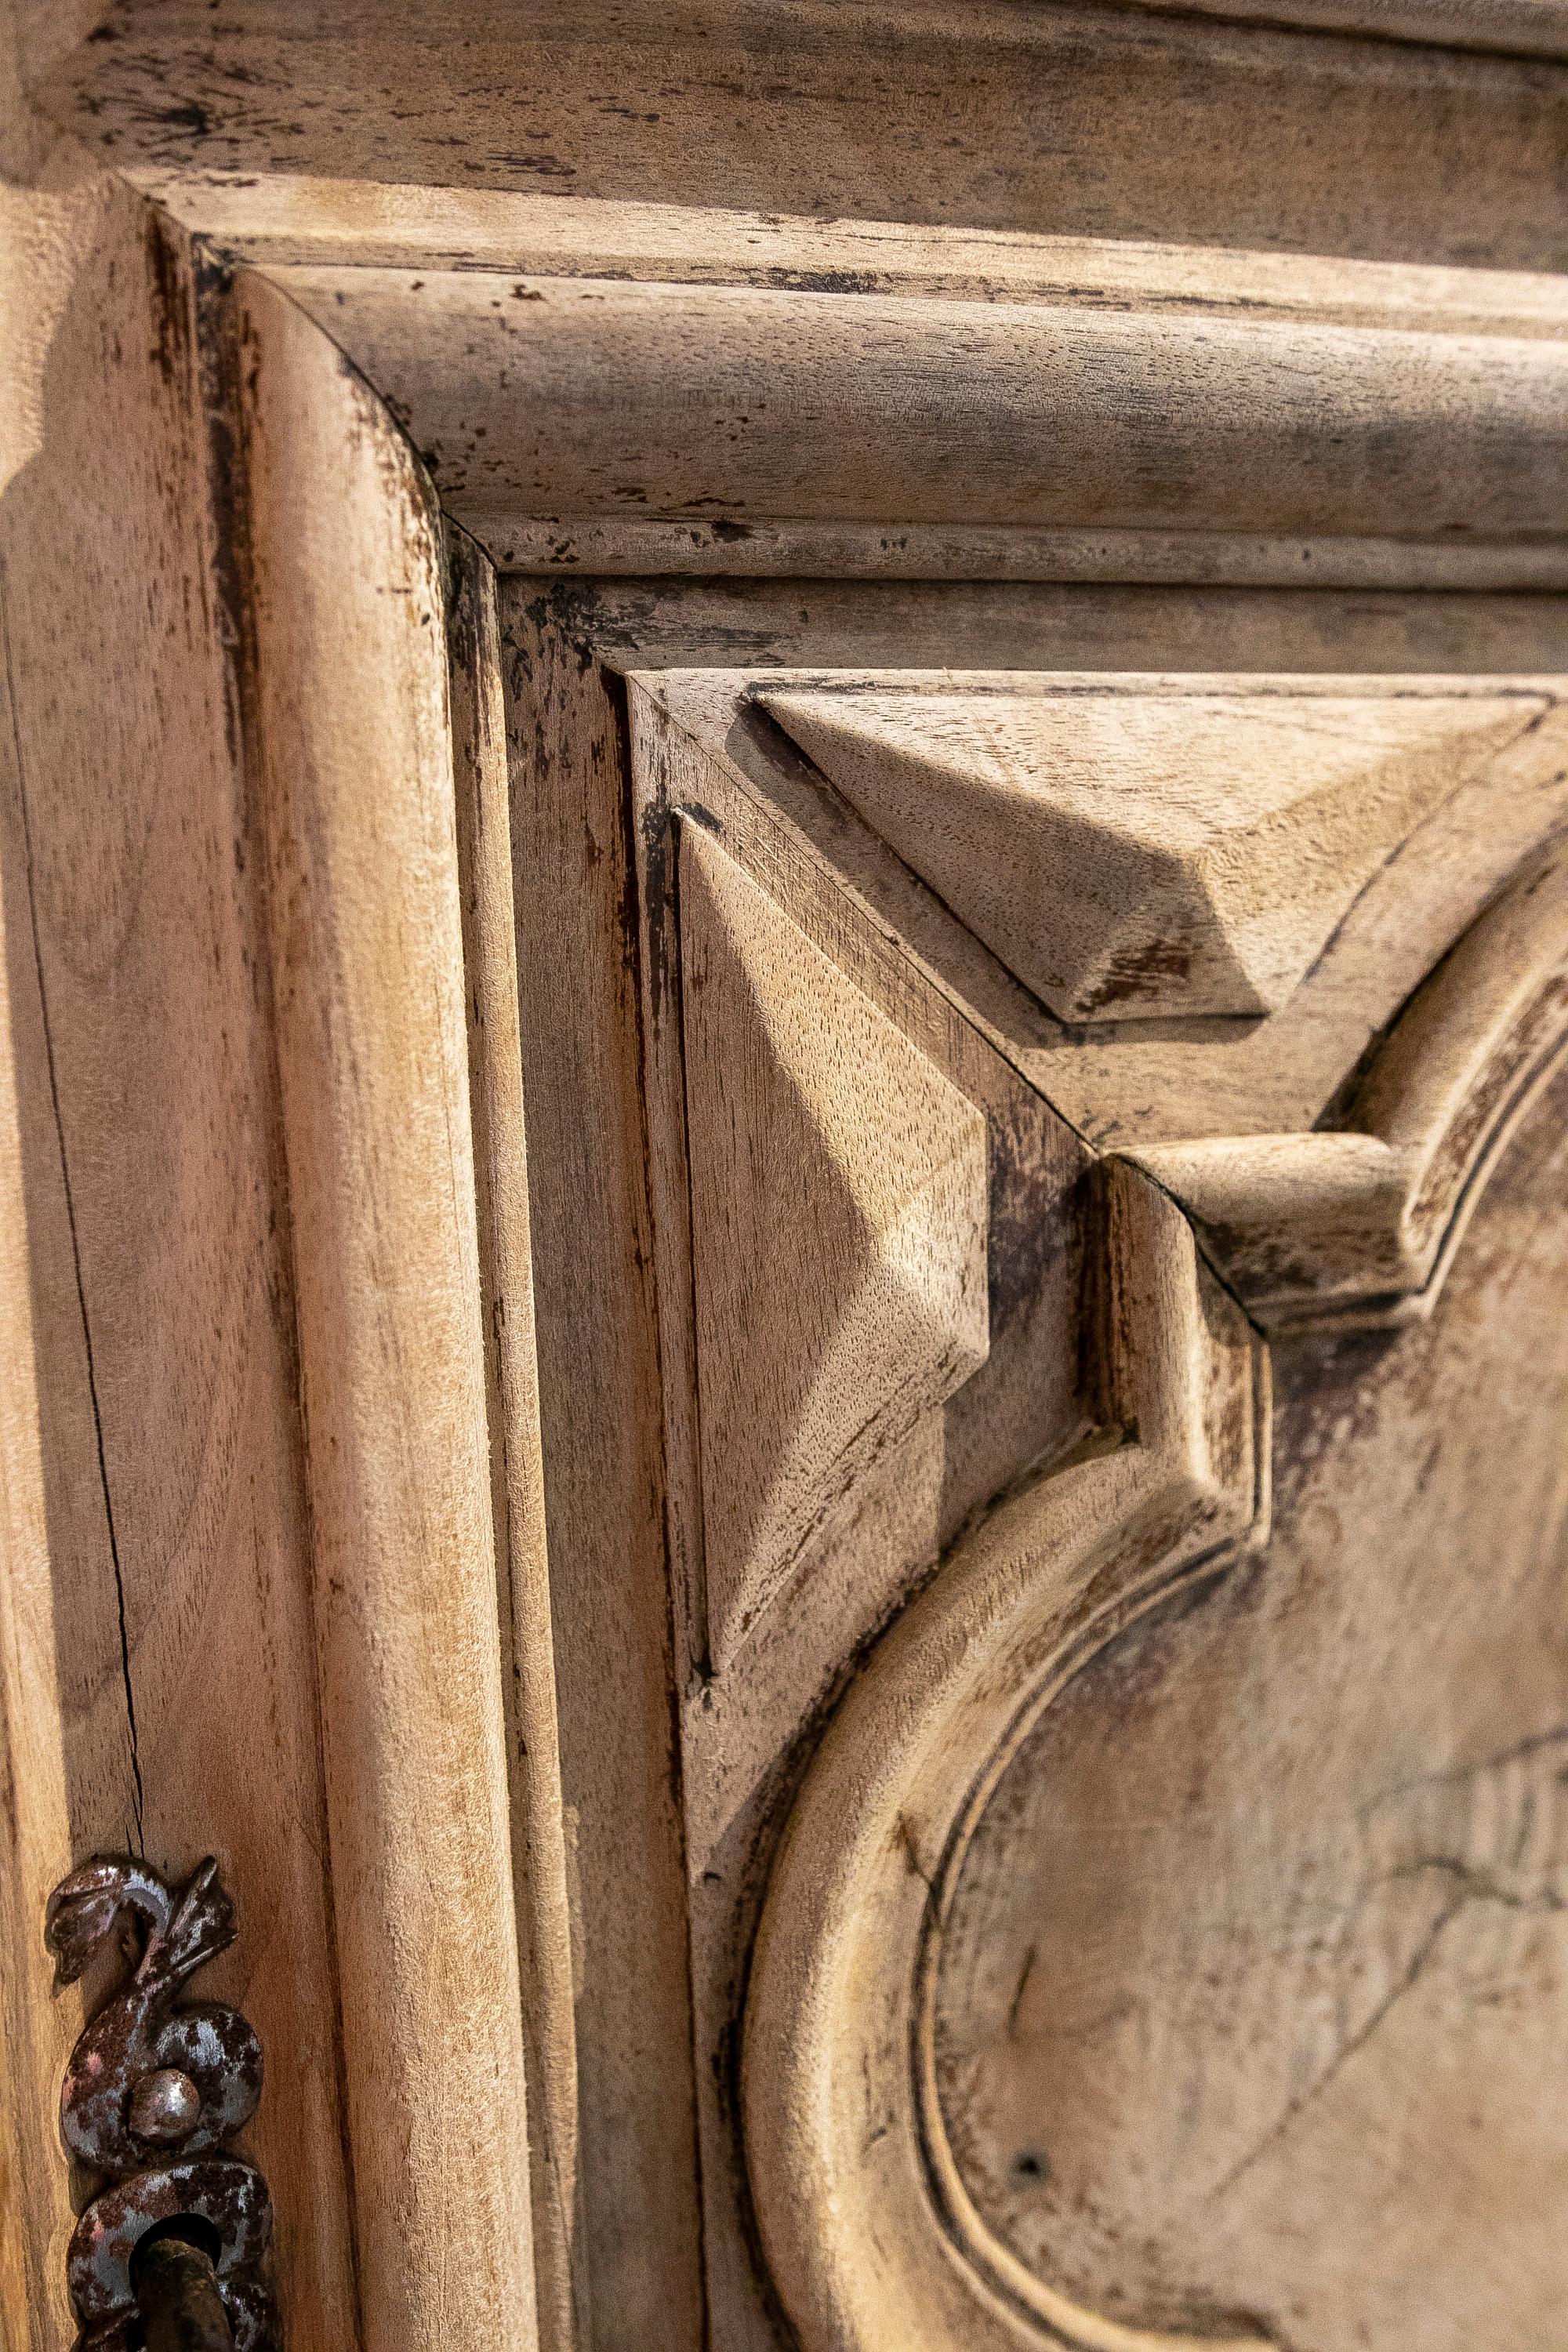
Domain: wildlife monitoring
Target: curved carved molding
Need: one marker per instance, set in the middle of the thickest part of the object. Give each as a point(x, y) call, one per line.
point(848, 2167)
point(606, 406)
point(873, 2237)
point(871, 2226)
point(1362, 1221)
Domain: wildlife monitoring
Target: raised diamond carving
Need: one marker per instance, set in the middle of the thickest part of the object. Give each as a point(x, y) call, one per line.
point(1154, 851)
point(839, 1220)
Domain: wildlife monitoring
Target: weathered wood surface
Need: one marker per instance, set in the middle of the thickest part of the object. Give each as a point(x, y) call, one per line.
point(890, 1497)
point(158, 1672)
point(540, 1860)
point(1057, 119)
point(1363, 1219)
point(568, 399)
point(764, 1807)
point(834, 2051)
point(1134, 1084)
point(292, 217)
point(367, 943)
point(604, 1483)
point(1530, 28)
point(1253, 1989)
point(875, 626)
point(851, 2225)
point(819, 1339)
point(1136, 856)
point(628, 548)
point(744, 1728)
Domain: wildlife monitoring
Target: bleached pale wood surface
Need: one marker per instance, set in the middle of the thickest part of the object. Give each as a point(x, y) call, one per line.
point(723, 1518)
point(869, 1313)
point(540, 1858)
point(159, 1669)
point(567, 399)
point(615, 1661)
point(1131, 857)
point(373, 1044)
point(865, 2173)
point(1057, 119)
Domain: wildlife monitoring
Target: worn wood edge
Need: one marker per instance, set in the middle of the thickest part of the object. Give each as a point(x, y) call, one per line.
point(1360, 1224)
point(613, 547)
point(501, 1160)
point(1524, 28)
point(871, 2238)
point(294, 219)
point(661, 749)
point(618, 1665)
point(358, 817)
point(599, 383)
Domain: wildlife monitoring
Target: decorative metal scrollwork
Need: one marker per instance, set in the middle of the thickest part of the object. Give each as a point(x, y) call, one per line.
point(151, 2096)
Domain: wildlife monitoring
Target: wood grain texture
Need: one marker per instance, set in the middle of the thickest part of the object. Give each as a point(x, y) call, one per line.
point(747, 1726)
point(1252, 1997)
point(160, 1679)
point(624, 547)
point(576, 398)
point(35, 37)
point(818, 1339)
point(1131, 857)
point(840, 2125)
point(1530, 28)
point(1056, 120)
point(862, 2191)
point(367, 956)
point(35, 1792)
point(712, 1752)
point(540, 1865)
point(1131, 1084)
point(604, 1482)
point(292, 217)
point(566, 239)
point(1047, 2225)
point(869, 627)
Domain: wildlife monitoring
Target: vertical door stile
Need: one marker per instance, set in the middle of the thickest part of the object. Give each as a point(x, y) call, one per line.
point(367, 958)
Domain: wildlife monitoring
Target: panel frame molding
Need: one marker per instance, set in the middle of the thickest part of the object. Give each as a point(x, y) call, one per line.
point(879, 2257)
point(574, 422)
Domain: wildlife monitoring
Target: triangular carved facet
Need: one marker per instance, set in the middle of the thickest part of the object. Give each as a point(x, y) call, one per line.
point(840, 1215)
point(1149, 853)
